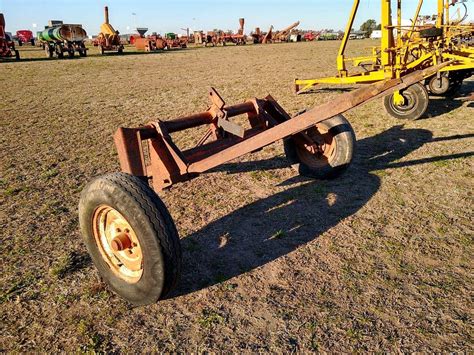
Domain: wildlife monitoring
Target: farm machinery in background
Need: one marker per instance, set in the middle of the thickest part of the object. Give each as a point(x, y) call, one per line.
point(330, 35)
point(140, 34)
point(25, 36)
point(216, 37)
point(405, 49)
point(284, 35)
point(156, 42)
point(262, 37)
point(311, 36)
point(270, 36)
point(150, 43)
point(173, 40)
point(108, 39)
point(59, 38)
point(7, 46)
point(212, 38)
point(238, 39)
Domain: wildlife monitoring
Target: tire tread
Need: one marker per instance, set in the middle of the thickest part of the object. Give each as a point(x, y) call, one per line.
point(154, 209)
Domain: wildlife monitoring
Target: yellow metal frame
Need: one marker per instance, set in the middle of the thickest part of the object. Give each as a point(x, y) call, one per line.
point(392, 59)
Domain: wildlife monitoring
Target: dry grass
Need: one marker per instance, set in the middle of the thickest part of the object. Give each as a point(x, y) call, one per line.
point(379, 259)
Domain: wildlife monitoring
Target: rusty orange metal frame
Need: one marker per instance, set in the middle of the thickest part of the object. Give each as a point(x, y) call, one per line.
point(150, 152)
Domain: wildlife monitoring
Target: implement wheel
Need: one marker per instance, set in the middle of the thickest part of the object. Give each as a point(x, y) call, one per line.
point(323, 151)
point(439, 86)
point(416, 103)
point(131, 237)
point(49, 51)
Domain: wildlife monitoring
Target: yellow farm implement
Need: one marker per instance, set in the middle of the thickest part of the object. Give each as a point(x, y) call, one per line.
point(405, 49)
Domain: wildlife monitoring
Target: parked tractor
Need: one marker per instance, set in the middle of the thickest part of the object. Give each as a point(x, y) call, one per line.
point(174, 41)
point(7, 46)
point(60, 39)
point(108, 39)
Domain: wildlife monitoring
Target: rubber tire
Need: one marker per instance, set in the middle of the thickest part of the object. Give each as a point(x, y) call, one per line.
point(455, 79)
point(82, 50)
point(433, 85)
point(344, 136)
point(49, 51)
point(416, 91)
point(153, 225)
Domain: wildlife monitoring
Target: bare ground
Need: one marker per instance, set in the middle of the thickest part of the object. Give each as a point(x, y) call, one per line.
point(378, 260)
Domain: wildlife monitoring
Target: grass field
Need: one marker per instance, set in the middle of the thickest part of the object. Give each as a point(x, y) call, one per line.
point(377, 260)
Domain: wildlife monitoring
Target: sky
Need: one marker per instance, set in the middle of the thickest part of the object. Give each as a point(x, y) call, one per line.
point(173, 16)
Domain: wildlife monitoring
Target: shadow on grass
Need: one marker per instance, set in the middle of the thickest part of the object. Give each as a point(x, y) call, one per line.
point(441, 105)
point(265, 230)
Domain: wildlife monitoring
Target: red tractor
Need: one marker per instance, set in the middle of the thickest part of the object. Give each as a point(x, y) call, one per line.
point(7, 47)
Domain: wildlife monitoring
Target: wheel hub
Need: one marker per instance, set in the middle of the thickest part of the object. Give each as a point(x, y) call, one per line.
point(408, 104)
point(121, 242)
point(319, 148)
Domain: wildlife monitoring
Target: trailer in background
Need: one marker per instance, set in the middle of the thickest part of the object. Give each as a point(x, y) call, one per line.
point(61, 38)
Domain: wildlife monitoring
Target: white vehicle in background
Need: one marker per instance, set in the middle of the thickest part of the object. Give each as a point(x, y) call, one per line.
point(376, 34)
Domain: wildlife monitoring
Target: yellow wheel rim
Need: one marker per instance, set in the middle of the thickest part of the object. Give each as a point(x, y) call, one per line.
point(118, 244)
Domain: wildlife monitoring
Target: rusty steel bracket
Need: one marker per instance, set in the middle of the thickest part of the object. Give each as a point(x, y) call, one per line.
point(218, 111)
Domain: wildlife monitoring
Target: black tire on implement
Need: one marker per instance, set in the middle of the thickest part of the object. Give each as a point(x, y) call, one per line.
point(337, 135)
point(49, 51)
point(417, 99)
point(439, 86)
point(153, 227)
